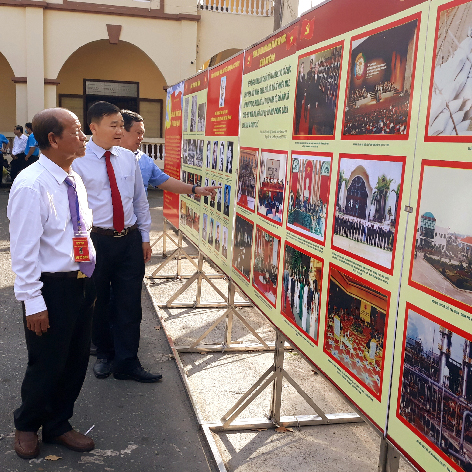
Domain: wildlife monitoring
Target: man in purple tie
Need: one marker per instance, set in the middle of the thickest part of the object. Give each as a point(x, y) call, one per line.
point(53, 259)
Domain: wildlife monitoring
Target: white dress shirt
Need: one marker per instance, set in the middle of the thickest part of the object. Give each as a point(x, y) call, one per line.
point(19, 144)
point(41, 228)
point(92, 168)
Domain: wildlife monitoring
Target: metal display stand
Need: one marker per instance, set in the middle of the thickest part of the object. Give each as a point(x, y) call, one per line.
point(228, 317)
point(275, 375)
point(389, 459)
point(164, 236)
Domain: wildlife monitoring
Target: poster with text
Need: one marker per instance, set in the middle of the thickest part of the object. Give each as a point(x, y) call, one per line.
point(173, 146)
point(220, 159)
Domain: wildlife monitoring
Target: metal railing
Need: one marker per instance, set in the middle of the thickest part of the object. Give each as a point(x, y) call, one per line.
point(242, 7)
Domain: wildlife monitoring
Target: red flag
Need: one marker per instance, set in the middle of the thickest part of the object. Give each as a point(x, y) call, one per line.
point(292, 37)
point(308, 27)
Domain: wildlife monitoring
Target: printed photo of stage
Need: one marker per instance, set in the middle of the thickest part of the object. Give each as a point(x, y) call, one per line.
point(356, 328)
point(380, 82)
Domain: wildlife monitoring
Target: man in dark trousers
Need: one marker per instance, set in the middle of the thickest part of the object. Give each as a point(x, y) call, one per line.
point(53, 258)
point(301, 89)
point(122, 222)
point(314, 98)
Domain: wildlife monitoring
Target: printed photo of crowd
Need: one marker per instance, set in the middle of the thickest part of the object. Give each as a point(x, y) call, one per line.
point(266, 263)
point(317, 92)
point(309, 190)
point(242, 247)
point(301, 289)
point(380, 82)
point(368, 195)
point(356, 327)
point(273, 170)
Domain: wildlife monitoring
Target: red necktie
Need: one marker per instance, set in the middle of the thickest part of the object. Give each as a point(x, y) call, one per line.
point(118, 214)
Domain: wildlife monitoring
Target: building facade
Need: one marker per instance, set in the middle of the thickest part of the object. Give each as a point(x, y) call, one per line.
point(73, 52)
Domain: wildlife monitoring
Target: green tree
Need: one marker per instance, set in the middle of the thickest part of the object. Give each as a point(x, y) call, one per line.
point(379, 197)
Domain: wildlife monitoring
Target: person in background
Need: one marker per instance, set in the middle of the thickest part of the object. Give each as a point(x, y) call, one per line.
point(32, 149)
point(18, 152)
point(53, 259)
point(3, 148)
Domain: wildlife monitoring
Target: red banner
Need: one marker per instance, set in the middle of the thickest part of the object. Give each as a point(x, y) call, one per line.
point(197, 83)
point(273, 49)
point(326, 22)
point(224, 98)
point(173, 149)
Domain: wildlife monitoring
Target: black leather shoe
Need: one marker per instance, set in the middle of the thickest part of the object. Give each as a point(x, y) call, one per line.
point(102, 368)
point(138, 374)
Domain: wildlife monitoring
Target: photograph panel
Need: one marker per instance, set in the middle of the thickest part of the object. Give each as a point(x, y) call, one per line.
point(301, 289)
point(242, 247)
point(356, 327)
point(380, 82)
point(271, 188)
point(201, 117)
point(308, 195)
point(435, 395)
point(247, 178)
point(450, 105)
point(266, 263)
point(367, 208)
point(442, 253)
point(316, 94)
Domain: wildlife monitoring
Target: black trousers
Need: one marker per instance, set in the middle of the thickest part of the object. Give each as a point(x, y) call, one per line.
point(118, 278)
point(57, 360)
point(17, 165)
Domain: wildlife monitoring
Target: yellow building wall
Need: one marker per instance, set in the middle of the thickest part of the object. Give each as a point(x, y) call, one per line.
point(104, 61)
point(8, 94)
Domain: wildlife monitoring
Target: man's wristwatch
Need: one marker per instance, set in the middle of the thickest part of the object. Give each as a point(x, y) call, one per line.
point(194, 187)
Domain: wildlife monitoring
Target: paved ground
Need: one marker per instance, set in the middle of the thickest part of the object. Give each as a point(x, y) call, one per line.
point(425, 274)
point(138, 427)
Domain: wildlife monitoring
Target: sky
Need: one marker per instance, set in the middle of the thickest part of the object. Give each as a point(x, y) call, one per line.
point(304, 5)
point(447, 194)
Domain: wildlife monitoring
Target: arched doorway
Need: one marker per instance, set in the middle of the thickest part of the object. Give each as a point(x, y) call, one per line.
point(8, 88)
point(119, 73)
point(356, 200)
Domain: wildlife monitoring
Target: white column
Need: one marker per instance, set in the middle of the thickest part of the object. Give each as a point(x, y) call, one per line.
point(50, 95)
point(34, 60)
point(21, 104)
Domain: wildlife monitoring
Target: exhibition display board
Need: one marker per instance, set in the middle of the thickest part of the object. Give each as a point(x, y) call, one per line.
point(431, 406)
point(342, 146)
point(173, 148)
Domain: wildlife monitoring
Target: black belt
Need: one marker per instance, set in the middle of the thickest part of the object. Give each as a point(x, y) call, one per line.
point(112, 232)
point(73, 274)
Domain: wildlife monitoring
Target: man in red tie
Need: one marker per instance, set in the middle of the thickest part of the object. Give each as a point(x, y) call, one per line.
point(120, 233)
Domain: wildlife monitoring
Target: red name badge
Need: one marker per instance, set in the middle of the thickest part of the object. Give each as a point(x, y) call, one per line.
point(81, 249)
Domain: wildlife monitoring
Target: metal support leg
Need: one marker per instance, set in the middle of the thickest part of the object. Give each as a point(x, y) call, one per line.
point(389, 458)
point(179, 265)
point(275, 375)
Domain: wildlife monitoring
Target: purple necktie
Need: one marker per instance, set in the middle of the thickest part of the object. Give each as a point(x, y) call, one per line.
point(86, 268)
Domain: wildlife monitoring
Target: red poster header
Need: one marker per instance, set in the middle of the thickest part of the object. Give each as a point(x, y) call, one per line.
point(341, 16)
point(224, 97)
point(197, 83)
point(271, 50)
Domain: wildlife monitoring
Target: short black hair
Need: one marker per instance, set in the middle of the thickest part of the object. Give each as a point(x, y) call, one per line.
point(100, 109)
point(43, 124)
point(28, 125)
point(19, 127)
point(130, 117)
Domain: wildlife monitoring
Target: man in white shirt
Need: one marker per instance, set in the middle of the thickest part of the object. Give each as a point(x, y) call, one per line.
point(51, 252)
point(18, 152)
point(120, 233)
